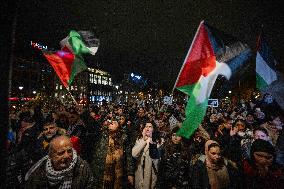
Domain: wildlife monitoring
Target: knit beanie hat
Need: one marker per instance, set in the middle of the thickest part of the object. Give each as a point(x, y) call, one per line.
point(260, 145)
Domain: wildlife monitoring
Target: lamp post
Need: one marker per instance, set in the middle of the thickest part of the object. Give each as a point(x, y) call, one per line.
point(21, 94)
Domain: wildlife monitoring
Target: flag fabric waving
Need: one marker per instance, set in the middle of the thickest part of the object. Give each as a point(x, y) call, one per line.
point(66, 65)
point(212, 53)
point(265, 64)
point(68, 61)
point(80, 42)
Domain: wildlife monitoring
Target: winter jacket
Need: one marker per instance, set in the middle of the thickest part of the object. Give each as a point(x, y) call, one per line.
point(274, 179)
point(99, 158)
point(174, 168)
point(148, 158)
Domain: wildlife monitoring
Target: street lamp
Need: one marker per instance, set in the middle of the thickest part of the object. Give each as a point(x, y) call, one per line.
point(21, 88)
point(34, 92)
point(230, 92)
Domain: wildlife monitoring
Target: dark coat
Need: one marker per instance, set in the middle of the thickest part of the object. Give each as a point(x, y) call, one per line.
point(82, 177)
point(99, 158)
point(200, 180)
point(274, 179)
point(174, 166)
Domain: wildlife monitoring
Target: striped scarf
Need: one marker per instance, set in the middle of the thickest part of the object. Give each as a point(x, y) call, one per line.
point(64, 176)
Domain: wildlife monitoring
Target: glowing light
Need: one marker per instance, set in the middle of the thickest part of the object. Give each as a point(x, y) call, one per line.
point(230, 92)
point(21, 87)
point(38, 46)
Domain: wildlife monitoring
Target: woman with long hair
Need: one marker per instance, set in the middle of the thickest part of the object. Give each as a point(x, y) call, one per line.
point(147, 153)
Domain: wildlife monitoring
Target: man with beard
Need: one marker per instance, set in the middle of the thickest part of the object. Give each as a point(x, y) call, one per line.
point(50, 131)
point(61, 168)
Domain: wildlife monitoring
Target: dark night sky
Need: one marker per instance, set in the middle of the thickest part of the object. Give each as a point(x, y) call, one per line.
point(148, 37)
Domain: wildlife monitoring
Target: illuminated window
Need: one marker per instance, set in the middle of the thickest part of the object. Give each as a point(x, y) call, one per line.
point(91, 78)
point(109, 81)
point(104, 80)
point(99, 79)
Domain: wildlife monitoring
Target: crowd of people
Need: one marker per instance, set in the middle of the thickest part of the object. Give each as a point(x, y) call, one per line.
point(113, 146)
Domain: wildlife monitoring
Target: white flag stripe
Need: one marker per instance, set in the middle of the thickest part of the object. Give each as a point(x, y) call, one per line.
point(207, 83)
point(268, 74)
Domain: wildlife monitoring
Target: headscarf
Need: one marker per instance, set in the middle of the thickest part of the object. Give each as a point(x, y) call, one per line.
point(217, 172)
point(209, 163)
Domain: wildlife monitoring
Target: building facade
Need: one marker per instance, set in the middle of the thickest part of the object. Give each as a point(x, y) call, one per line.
point(92, 86)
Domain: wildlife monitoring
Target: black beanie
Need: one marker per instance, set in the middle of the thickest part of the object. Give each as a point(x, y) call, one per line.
point(260, 145)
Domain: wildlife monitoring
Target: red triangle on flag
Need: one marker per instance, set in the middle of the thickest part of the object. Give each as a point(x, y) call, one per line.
point(200, 59)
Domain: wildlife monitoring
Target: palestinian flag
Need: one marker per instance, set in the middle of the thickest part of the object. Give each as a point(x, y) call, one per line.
point(68, 61)
point(81, 42)
point(212, 53)
point(66, 65)
point(265, 65)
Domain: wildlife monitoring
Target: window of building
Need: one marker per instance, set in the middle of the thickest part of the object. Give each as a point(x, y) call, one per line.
point(104, 80)
point(99, 79)
point(95, 79)
point(109, 81)
point(91, 78)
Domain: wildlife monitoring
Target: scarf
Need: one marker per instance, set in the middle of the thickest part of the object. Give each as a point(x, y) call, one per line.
point(217, 172)
point(113, 172)
point(64, 177)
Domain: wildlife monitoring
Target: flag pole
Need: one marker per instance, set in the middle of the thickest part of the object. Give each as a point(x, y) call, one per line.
point(72, 97)
point(187, 56)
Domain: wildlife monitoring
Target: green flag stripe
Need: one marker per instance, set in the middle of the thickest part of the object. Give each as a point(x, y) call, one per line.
point(77, 44)
point(260, 82)
point(77, 67)
point(194, 112)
